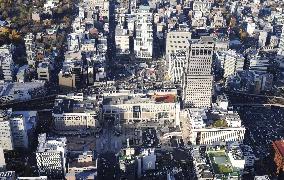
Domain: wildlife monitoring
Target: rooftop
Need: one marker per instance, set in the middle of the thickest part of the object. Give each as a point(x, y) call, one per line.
point(50, 144)
point(64, 105)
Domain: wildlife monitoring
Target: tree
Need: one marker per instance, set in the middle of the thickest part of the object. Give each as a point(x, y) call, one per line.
point(14, 36)
point(220, 123)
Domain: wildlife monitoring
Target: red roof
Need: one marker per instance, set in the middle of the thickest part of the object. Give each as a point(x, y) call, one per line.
point(166, 98)
point(280, 146)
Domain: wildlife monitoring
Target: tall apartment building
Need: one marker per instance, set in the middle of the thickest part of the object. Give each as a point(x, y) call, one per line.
point(30, 48)
point(6, 139)
point(198, 80)
point(143, 41)
point(177, 41)
point(231, 62)
point(51, 156)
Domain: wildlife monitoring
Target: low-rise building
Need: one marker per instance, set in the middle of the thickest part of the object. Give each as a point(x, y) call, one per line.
point(82, 167)
point(71, 114)
point(216, 125)
point(148, 109)
point(44, 71)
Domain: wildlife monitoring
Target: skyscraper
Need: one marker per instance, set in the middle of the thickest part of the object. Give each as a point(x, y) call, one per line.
point(198, 80)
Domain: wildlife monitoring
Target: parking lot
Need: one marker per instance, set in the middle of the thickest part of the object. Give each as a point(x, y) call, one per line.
point(263, 126)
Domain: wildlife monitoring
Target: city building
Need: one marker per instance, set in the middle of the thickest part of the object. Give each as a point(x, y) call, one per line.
point(231, 62)
point(15, 92)
point(198, 80)
point(30, 48)
point(22, 74)
point(177, 41)
point(122, 41)
point(44, 71)
point(19, 131)
point(7, 68)
point(148, 109)
point(281, 43)
point(143, 40)
point(2, 160)
point(177, 63)
point(51, 156)
point(6, 138)
point(71, 75)
point(82, 167)
point(71, 114)
point(219, 124)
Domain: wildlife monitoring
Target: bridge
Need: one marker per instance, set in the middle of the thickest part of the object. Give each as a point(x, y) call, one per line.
point(45, 102)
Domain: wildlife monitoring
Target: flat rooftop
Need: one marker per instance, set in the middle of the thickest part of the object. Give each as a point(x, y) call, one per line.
point(72, 106)
point(128, 99)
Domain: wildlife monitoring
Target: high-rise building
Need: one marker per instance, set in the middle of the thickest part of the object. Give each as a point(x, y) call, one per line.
point(198, 80)
point(51, 156)
point(143, 41)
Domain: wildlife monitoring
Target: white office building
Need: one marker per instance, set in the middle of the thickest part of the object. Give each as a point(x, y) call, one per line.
point(44, 71)
point(51, 156)
point(143, 41)
point(230, 61)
